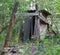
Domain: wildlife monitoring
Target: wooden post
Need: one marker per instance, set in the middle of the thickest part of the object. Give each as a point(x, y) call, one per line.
point(36, 28)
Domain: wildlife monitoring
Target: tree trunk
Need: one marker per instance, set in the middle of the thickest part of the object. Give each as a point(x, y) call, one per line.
point(8, 37)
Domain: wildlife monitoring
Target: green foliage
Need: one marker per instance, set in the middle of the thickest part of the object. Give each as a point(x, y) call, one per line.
point(49, 46)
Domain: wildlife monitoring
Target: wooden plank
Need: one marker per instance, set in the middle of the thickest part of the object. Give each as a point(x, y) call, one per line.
point(26, 14)
point(43, 18)
point(36, 28)
point(26, 30)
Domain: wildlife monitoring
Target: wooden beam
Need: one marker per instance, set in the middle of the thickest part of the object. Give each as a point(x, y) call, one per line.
point(36, 28)
point(26, 14)
point(43, 18)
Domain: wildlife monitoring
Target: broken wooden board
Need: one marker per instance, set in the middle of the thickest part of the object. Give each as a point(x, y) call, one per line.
point(26, 30)
point(26, 14)
point(43, 18)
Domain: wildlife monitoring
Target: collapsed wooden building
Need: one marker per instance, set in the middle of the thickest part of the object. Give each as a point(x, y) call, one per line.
point(36, 23)
point(36, 26)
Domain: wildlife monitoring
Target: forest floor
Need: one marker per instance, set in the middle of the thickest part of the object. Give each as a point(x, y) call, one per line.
point(22, 49)
point(35, 48)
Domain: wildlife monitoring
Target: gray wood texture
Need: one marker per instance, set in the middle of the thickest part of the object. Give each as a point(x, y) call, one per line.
point(36, 28)
point(26, 30)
